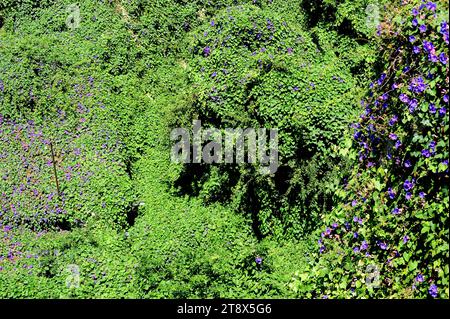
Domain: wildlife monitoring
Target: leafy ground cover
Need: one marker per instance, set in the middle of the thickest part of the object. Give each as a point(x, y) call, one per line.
point(92, 207)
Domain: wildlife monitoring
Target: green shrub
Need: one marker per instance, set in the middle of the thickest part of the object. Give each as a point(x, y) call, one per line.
point(251, 69)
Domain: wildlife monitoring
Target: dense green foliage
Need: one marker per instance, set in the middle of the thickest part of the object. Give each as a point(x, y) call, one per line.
point(394, 211)
point(92, 207)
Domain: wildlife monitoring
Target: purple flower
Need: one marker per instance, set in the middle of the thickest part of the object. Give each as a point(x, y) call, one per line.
point(415, 22)
point(412, 105)
point(391, 193)
point(382, 78)
point(422, 195)
point(417, 85)
point(432, 108)
point(408, 196)
point(398, 144)
point(428, 46)
point(433, 58)
point(442, 111)
point(2, 86)
point(423, 28)
point(426, 153)
point(443, 58)
point(364, 245)
point(213, 23)
point(416, 50)
point(355, 235)
point(433, 291)
point(433, 145)
point(408, 185)
point(393, 120)
point(404, 98)
point(419, 278)
point(356, 249)
point(258, 260)
point(334, 226)
point(289, 50)
point(382, 245)
point(214, 74)
point(412, 39)
point(415, 12)
point(393, 137)
point(354, 203)
point(405, 239)
point(445, 97)
point(207, 51)
point(444, 27)
point(431, 6)
point(407, 163)
point(396, 211)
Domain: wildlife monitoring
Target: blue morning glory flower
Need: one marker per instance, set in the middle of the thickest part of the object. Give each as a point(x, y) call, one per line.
point(364, 245)
point(428, 46)
point(419, 278)
point(393, 120)
point(431, 6)
point(207, 51)
point(433, 291)
point(391, 193)
point(393, 136)
point(404, 98)
point(417, 85)
point(426, 153)
point(432, 108)
point(408, 185)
